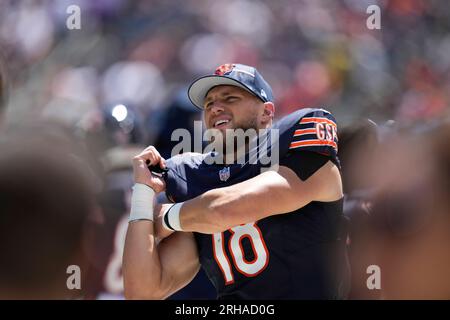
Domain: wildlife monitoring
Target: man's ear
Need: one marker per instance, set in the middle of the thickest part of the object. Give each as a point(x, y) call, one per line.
point(269, 111)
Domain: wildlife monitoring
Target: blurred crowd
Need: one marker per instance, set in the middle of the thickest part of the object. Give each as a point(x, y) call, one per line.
point(119, 83)
point(314, 53)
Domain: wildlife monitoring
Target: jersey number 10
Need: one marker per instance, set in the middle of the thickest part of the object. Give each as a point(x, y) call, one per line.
point(247, 268)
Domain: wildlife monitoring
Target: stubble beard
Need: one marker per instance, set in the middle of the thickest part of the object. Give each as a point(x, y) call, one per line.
point(231, 143)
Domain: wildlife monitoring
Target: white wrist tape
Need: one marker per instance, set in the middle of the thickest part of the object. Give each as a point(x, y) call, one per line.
point(171, 218)
point(141, 203)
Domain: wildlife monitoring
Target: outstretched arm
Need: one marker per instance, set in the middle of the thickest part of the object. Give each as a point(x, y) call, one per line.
point(270, 193)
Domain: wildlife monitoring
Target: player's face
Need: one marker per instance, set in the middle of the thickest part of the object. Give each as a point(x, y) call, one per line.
point(230, 107)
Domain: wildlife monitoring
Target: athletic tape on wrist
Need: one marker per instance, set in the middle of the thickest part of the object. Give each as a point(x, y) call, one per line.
point(141, 203)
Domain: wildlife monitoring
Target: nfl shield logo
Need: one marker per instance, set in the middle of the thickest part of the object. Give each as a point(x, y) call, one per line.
point(224, 174)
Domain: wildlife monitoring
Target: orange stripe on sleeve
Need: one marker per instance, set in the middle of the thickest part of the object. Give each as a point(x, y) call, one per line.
point(316, 120)
point(312, 143)
point(304, 131)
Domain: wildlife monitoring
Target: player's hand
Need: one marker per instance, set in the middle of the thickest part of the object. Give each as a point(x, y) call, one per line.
point(150, 156)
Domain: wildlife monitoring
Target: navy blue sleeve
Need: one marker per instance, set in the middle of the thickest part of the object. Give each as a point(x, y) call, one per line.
point(311, 141)
point(175, 179)
point(304, 163)
point(316, 132)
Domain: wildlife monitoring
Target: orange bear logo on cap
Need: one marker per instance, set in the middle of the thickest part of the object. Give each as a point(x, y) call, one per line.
point(224, 69)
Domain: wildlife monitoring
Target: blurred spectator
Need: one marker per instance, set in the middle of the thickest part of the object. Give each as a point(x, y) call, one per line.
point(358, 143)
point(114, 134)
point(137, 83)
point(46, 205)
point(410, 225)
point(316, 54)
point(3, 88)
point(179, 114)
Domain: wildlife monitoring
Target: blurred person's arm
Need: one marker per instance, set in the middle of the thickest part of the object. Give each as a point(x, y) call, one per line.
point(154, 269)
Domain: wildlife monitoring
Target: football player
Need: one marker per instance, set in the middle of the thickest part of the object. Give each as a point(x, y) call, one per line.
point(248, 228)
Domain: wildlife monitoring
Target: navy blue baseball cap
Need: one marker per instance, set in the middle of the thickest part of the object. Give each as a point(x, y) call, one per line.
point(239, 75)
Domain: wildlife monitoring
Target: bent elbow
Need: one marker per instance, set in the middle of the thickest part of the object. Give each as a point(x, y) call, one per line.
point(137, 293)
point(142, 288)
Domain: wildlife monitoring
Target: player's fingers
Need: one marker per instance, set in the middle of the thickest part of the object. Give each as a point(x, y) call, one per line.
point(158, 162)
point(149, 149)
point(152, 150)
point(163, 163)
point(144, 159)
point(157, 159)
point(149, 155)
point(152, 157)
point(139, 163)
point(156, 153)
